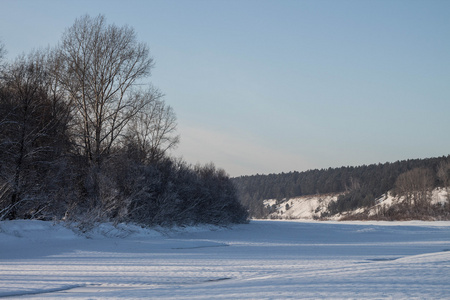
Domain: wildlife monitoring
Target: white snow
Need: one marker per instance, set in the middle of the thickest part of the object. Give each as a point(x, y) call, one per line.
point(303, 207)
point(438, 195)
point(260, 260)
point(312, 206)
point(269, 202)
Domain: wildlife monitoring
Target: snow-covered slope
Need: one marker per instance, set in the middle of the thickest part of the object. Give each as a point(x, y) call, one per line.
point(305, 207)
point(311, 207)
point(438, 196)
point(261, 260)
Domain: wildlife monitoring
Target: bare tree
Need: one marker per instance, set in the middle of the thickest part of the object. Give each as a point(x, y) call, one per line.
point(2, 52)
point(443, 173)
point(153, 130)
point(415, 185)
point(99, 66)
point(31, 134)
point(2, 73)
point(354, 185)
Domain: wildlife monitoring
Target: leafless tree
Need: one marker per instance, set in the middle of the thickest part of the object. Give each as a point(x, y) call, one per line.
point(153, 130)
point(99, 66)
point(2, 73)
point(415, 185)
point(354, 185)
point(443, 173)
point(2, 52)
point(31, 134)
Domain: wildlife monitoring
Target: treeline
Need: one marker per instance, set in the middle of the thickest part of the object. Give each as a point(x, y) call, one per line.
point(360, 186)
point(84, 138)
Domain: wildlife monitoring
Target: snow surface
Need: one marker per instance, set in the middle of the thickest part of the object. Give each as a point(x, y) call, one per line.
point(303, 207)
point(260, 260)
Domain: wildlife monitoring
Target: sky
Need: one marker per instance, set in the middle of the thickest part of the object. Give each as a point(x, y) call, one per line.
point(263, 87)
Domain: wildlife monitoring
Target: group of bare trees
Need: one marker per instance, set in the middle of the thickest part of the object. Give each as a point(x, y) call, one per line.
point(83, 134)
point(32, 133)
point(415, 188)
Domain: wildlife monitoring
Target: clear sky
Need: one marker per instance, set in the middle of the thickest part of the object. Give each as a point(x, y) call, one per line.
point(277, 86)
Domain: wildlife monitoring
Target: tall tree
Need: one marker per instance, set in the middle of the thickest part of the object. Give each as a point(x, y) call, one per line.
point(99, 67)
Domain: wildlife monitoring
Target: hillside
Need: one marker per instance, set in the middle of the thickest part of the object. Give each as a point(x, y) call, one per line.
point(303, 207)
point(409, 188)
point(315, 207)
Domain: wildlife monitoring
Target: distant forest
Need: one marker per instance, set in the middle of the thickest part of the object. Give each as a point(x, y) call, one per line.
point(360, 186)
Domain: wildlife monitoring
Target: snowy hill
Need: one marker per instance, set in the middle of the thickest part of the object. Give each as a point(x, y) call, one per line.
point(305, 207)
point(315, 206)
point(359, 187)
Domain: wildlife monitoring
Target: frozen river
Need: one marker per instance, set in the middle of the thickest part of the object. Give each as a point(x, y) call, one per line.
point(260, 260)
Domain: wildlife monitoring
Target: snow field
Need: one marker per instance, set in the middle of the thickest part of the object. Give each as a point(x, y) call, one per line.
point(261, 260)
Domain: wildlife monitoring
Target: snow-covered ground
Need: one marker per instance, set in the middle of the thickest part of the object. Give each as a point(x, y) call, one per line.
point(312, 206)
point(438, 196)
point(303, 207)
point(261, 260)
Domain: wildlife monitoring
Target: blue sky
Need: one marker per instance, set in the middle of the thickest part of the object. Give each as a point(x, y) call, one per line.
point(276, 86)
